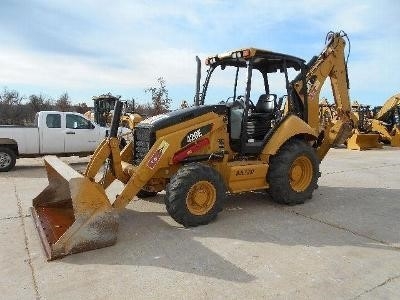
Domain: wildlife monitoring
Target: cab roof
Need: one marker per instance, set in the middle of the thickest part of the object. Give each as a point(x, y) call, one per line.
point(272, 61)
point(108, 96)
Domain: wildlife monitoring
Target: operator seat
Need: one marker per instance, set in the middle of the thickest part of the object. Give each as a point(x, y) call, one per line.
point(259, 121)
point(265, 105)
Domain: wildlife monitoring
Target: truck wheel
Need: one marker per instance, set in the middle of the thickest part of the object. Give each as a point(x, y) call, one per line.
point(7, 159)
point(293, 173)
point(146, 194)
point(195, 195)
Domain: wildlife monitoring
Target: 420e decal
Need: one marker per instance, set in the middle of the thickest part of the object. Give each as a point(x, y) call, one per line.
point(195, 134)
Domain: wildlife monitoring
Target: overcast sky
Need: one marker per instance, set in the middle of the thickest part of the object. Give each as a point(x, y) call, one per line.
point(92, 47)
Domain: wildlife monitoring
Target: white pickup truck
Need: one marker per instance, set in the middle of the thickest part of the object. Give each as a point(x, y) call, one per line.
point(61, 133)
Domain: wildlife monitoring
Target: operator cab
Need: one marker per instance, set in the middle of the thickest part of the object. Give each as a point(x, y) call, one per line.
point(258, 96)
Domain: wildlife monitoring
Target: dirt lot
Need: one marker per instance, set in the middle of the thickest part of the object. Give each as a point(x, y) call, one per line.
point(343, 243)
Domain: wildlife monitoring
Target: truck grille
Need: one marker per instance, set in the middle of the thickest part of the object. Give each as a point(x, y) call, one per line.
point(143, 140)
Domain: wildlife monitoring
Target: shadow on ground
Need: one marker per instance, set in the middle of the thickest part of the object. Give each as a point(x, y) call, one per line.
point(336, 216)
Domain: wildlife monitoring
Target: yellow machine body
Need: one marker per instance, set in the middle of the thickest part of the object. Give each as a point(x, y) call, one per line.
point(191, 153)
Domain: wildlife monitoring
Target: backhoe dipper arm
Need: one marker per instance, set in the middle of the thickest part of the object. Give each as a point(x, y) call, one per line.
point(388, 107)
point(330, 63)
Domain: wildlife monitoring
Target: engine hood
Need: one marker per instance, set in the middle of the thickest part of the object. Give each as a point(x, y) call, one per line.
point(180, 115)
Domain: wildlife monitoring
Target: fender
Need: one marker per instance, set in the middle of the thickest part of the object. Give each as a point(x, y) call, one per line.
point(7, 141)
point(290, 127)
point(10, 143)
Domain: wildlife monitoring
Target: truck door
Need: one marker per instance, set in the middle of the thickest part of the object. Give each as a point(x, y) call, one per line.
point(80, 134)
point(51, 134)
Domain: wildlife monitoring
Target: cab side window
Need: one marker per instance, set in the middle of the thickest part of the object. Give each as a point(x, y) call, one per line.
point(53, 121)
point(77, 122)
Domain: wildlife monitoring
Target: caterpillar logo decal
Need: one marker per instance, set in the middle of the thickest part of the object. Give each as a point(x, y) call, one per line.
point(156, 156)
point(245, 172)
point(195, 134)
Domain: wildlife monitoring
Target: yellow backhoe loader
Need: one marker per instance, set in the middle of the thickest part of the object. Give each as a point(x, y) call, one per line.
point(102, 111)
point(387, 121)
point(362, 137)
point(102, 114)
point(197, 154)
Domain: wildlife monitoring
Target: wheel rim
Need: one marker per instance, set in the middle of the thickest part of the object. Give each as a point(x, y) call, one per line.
point(5, 160)
point(301, 173)
point(201, 198)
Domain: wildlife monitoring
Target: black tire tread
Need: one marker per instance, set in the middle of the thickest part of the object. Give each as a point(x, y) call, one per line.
point(280, 189)
point(179, 185)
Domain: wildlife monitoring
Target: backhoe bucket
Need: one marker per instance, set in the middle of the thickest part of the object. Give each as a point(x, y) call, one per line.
point(72, 214)
point(395, 142)
point(363, 141)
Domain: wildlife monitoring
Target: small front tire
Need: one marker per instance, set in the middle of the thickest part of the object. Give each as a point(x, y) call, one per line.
point(195, 195)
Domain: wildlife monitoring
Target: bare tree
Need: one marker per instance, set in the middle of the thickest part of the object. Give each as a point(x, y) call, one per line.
point(39, 103)
point(10, 107)
point(159, 97)
point(81, 108)
point(63, 103)
point(144, 109)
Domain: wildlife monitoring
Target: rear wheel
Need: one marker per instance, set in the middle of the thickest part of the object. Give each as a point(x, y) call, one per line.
point(293, 173)
point(195, 195)
point(7, 159)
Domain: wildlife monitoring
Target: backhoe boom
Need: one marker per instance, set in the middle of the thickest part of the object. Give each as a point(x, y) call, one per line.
point(330, 63)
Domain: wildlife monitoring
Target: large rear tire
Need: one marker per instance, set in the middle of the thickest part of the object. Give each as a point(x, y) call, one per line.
point(195, 195)
point(293, 173)
point(7, 159)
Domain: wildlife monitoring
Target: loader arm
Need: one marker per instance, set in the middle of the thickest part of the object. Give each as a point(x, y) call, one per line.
point(330, 63)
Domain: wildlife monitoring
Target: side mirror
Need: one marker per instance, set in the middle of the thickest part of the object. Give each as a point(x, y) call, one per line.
point(75, 125)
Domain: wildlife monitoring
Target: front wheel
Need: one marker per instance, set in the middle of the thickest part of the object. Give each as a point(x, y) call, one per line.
point(7, 159)
point(293, 173)
point(195, 195)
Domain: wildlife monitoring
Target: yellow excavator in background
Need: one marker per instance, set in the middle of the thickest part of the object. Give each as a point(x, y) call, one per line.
point(327, 113)
point(386, 121)
point(102, 112)
point(362, 137)
point(199, 153)
point(368, 133)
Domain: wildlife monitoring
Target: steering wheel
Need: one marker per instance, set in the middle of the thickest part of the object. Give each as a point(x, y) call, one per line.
point(242, 101)
point(235, 103)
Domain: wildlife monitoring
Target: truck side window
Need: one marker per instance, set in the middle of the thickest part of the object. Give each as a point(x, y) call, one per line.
point(53, 121)
point(77, 122)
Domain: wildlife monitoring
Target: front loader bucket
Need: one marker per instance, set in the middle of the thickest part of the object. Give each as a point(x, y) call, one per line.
point(72, 214)
point(363, 141)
